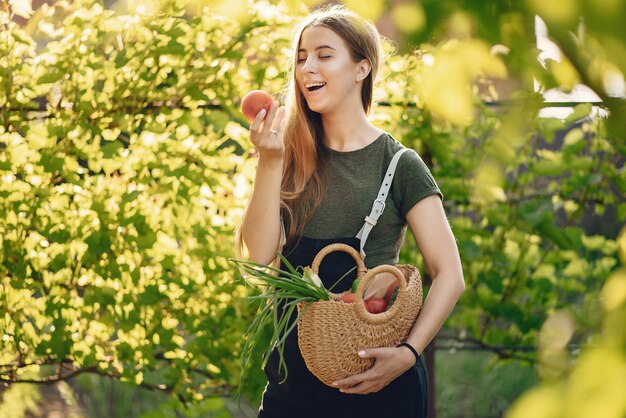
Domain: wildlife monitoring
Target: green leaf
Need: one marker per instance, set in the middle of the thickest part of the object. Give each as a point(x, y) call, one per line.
point(492, 279)
point(111, 149)
point(121, 59)
point(172, 47)
point(580, 111)
point(51, 77)
point(60, 342)
point(355, 285)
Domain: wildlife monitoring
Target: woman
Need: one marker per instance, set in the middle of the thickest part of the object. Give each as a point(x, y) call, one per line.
point(320, 167)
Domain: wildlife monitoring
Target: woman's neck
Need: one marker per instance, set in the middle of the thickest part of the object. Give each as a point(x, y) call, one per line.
point(348, 130)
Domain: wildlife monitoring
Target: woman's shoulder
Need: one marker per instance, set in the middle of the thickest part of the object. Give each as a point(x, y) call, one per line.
point(392, 146)
point(392, 141)
point(414, 178)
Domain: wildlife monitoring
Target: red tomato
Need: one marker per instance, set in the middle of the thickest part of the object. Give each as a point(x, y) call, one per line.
point(390, 291)
point(375, 305)
point(347, 298)
point(253, 102)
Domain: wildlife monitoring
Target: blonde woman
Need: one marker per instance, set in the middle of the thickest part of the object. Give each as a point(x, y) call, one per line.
point(320, 167)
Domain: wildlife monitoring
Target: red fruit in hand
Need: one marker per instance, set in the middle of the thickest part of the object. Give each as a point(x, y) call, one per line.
point(376, 305)
point(253, 102)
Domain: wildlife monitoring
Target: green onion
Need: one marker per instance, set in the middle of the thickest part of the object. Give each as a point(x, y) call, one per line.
point(288, 288)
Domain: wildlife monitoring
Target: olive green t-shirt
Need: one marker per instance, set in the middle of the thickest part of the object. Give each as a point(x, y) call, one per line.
point(354, 179)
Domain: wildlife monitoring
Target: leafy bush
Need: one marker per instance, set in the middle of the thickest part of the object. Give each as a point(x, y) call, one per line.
point(125, 166)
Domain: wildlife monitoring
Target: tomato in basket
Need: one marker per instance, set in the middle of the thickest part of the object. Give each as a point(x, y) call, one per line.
point(372, 305)
point(347, 298)
point(376, 305)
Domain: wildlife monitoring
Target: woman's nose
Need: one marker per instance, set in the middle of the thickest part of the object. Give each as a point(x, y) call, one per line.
point(309, 65)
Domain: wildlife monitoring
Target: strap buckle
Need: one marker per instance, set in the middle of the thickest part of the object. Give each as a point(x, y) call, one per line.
point(370, 221)
point(378, 207)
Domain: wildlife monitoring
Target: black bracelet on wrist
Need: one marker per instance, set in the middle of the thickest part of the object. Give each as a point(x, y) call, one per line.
point(410, 347)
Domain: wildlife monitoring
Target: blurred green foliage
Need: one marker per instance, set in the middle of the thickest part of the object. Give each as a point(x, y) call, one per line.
point(593, 384)
point(476, 384)
point(18, 400)
point(118, 202)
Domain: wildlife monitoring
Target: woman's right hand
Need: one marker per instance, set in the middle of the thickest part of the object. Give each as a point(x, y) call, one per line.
point(267, 136)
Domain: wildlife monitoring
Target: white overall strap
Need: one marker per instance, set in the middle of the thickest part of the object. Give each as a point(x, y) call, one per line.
point(379, 204)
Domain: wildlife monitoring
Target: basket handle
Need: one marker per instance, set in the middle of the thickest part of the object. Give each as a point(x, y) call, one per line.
point(359, 303)
point(361, 269)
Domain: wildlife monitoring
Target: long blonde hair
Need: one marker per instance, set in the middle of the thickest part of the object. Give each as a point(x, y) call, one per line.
point(306, 155)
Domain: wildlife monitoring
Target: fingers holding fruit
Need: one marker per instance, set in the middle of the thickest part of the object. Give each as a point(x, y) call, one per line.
point(387, 286)
point(373, 305)
point(267, 128)
point(268, 138)
point(379, 285)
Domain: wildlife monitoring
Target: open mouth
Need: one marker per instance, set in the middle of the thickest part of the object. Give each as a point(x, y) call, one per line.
point(315, 86)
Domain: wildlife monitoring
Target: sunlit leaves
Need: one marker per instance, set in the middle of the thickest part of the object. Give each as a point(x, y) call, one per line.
point(517, 186)
point(553, 356)
point(594, 388)
point(237, 9)
point(614, 292)
point(408, 17)
point(540, 403)
point(594, 384)
point(117, 220)
point(18, 400)
point(369, 9)
point(447, 76)
point(563, 12)
point(488, 183)
point(564, 73)
point(117, 211)
point(22, 8)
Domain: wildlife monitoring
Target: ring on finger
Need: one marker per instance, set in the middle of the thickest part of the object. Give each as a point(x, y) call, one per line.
point(273, 131)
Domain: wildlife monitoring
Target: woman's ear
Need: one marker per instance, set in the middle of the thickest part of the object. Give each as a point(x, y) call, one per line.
point(363, 69)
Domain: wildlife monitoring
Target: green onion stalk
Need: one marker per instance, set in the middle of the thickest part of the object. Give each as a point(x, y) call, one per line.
point(279, 287)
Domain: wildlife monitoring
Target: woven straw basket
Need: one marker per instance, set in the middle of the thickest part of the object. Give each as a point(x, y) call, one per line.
point(330, 333)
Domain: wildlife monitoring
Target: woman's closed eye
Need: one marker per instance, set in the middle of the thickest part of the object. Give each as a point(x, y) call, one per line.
point(321, 57)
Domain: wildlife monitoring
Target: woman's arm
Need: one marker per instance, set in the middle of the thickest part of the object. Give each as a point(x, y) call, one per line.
point(433, 235)
point(260, 229)
point(434, 238)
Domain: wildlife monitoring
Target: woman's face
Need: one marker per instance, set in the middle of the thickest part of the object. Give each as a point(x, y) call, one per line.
point(323, 59)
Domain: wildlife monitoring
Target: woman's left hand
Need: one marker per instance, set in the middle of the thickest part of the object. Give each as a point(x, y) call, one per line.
point(378, 286)
point(390, 362)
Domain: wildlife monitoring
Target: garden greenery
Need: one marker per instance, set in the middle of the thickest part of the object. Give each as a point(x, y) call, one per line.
point(125, 166)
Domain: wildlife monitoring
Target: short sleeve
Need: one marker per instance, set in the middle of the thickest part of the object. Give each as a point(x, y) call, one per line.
point(412, 182)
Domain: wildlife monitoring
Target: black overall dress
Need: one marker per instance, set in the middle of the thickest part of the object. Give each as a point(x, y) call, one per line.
point(302, 395)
